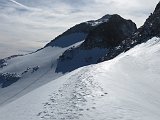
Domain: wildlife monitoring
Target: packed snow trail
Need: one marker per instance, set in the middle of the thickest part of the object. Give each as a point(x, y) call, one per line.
point(70, 101)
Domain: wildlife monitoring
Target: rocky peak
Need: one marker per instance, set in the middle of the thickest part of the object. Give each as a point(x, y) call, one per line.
point(110, 33)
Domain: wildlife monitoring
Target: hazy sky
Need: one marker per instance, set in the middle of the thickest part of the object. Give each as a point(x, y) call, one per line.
point(26, 25)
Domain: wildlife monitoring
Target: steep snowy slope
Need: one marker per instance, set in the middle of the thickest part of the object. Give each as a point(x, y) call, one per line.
point(125, 88)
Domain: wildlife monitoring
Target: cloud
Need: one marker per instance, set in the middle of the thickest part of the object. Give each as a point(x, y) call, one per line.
point(30, 22)
point(21, 5)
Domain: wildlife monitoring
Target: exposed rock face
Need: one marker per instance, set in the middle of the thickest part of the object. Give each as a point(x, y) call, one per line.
point(151, 28)
point(7, 79)
point(110, 33)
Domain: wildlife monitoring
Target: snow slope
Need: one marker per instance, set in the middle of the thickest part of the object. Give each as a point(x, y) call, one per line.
point(34, 69)
point(125, 88)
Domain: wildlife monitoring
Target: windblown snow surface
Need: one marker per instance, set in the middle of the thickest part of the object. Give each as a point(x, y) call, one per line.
point(125, 88)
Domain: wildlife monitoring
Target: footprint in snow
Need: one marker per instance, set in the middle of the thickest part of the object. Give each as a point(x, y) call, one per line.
point(68, 103)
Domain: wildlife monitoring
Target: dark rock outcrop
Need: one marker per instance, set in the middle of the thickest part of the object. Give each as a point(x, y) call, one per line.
point(7, 79)
point(150, 29)
point(110, 33)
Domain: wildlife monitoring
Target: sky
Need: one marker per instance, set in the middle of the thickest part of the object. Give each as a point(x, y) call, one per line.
point(27, 25)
